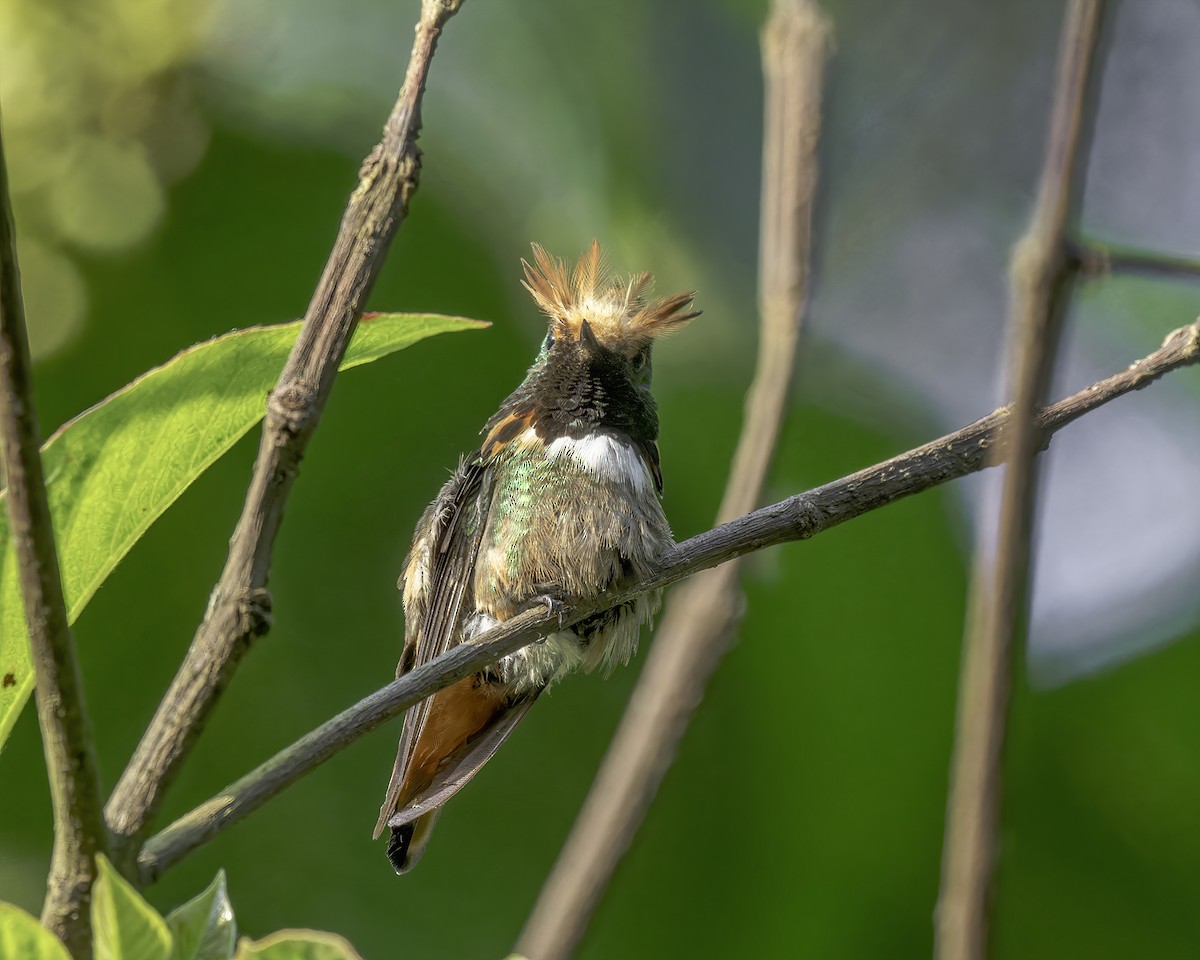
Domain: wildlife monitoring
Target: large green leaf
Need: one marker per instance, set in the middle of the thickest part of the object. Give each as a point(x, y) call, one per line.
point(297, 945)
point(113, 470)
point(124, 925)
point(22, 936)
point(204, 928)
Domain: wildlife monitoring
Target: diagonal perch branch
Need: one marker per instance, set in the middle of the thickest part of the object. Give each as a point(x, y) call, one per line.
point(799, 517)
point(239, 608)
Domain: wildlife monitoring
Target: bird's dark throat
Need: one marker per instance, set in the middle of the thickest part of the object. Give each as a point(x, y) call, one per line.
point(585, 392)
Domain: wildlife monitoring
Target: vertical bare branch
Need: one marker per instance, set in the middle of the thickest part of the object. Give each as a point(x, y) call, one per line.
point(1041, 274)
point(699, 625)
point(62, 713)
point(239, 608)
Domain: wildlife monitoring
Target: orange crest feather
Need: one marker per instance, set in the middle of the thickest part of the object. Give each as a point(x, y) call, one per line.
point(620, 313)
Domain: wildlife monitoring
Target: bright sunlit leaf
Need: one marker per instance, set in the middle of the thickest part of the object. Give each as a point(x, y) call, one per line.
point(22, 936)
point(298, 945)
point(113, 470)
point(124, 925)
point(204, 927)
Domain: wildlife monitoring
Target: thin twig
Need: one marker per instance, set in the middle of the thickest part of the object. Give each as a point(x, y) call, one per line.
point(799, 517)
point(1041, 276)
point(62, 712)
point(701, 618)
point(239, 608)
point(1095, 259)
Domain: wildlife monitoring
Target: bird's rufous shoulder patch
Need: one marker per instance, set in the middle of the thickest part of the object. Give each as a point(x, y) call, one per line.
point(505, 430)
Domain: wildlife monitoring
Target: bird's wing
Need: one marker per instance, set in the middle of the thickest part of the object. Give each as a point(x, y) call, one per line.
point(461, 765)
point(649, 452)
point(437, 587)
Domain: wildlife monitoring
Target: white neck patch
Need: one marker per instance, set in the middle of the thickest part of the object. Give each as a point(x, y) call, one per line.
point(604, 456)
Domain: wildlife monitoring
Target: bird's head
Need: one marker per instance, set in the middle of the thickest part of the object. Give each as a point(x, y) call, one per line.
point(598, 319)
point(592, 373)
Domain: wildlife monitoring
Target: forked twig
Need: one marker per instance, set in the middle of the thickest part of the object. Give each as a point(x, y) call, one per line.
point(1041, 276)
point(239, 608)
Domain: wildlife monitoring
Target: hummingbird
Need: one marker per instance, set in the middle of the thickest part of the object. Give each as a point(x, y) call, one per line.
point(561, 499)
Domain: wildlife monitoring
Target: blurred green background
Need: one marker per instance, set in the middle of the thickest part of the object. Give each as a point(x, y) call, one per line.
point(179, 170)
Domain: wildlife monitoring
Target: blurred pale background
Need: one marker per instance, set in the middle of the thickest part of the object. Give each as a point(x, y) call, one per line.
point(179, 167)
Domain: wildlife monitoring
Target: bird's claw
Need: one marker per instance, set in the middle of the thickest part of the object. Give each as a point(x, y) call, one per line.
point(555, 607)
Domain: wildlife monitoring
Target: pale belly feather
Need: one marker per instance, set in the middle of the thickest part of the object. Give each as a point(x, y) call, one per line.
point(567, 520)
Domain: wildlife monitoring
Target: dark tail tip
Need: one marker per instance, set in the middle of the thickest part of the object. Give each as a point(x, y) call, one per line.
point(397, 848)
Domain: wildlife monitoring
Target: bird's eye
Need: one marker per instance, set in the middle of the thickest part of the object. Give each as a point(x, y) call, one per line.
point(640, 359)
point(548, 343)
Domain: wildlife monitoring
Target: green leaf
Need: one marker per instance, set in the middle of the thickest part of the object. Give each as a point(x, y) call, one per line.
point(113, 470)
point(22, 936)
point(204, 928)
point(124, 926)
point(297, 945)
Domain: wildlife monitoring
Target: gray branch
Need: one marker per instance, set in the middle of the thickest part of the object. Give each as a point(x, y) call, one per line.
point(239, 609)
point(62, 712)
point(1094, 259)
point(701, 619)
point(797, 518)
point(1040, 290)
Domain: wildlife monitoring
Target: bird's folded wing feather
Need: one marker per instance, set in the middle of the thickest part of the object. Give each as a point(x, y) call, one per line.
point(464, 763)
point(452, 529)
